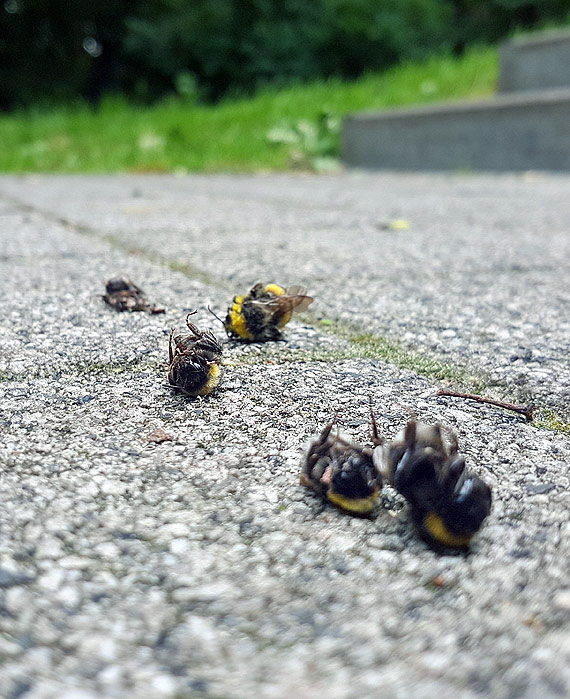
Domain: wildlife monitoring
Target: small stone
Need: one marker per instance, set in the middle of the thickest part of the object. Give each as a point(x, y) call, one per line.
point(98, 646)
point(539, 488)
point(69, 596)
point(107, 550)
point(178, 546)
point(9, 579)
point(51, 580)
point(164, 684)
point(435, 663)
point(176, 530)
point(75, 563)
point(77, 694)
point(49, 547)
point(8, 648)
point(562, 600)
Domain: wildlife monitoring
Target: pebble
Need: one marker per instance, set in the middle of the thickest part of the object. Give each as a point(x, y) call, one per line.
point(75, 563)
point(562, 600)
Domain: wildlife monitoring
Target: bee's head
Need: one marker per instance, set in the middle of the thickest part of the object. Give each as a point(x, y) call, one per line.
point(117, 284)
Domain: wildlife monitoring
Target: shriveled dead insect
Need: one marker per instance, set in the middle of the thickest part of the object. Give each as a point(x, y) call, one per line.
point(259, 315)
point(448, 504)
point(123, 295)
point(342, 472)
point(195, 361)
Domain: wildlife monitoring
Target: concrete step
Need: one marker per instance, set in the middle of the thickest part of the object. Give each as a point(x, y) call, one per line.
point(516, 131)
point(535, 62)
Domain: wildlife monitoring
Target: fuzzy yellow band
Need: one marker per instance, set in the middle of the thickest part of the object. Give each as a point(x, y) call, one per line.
point(214, 376)
point(436, 527)
point(285, 318)
point(275, 289)
point(356, 505)
point(237, 319)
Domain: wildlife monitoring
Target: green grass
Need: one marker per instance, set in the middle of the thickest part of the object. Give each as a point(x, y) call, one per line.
point(231, 136)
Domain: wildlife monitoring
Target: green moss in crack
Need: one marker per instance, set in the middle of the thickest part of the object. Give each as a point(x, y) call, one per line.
point(549, 420)
point(9, 376)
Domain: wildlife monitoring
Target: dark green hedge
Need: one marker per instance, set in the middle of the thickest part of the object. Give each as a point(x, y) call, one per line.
point(59, 50)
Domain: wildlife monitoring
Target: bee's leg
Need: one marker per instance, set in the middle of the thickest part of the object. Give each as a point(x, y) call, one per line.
point(326, 478)
point(373, 477)
point(455, 474)
point(380, 461)
point(315, 472)
point(170, 353)
point(376, 439)
point(313, 469)
point(453, 443)
point(410, 434)
point(190, 325)
point(326, 431)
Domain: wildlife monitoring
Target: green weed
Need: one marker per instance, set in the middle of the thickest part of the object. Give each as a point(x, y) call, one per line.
point(180, 136)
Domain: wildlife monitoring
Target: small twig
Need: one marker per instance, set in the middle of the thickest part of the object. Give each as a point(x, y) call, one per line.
point(526, 410)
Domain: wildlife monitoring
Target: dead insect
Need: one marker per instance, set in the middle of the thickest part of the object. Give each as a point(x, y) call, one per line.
point(260, 315)
point(448, 504)
point(342, 472)
point(123, 295)
point(195, 361)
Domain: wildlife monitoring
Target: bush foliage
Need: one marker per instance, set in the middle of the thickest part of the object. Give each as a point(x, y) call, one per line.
point(205, 49)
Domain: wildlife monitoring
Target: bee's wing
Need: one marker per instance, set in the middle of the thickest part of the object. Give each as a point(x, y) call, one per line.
point(301, 303)
point(281, 307)
point(210, 342)
point(280, 304)
point(296, 290)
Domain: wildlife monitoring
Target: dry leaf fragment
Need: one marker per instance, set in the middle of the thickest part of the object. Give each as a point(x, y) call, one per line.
point(159, 436)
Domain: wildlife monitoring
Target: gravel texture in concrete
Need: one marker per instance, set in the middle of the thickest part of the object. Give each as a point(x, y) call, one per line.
point(197, 566)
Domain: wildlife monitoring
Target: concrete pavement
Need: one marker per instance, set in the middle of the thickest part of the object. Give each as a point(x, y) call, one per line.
point(199, 567)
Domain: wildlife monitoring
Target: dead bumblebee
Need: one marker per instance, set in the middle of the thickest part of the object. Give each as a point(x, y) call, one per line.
point(448, 504)
point(122, 295)
point(342, 472)
point(195, 361)
point(260, 315)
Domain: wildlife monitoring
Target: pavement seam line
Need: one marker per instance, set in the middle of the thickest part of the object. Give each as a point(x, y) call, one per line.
point(352, 335)
point(376, 347)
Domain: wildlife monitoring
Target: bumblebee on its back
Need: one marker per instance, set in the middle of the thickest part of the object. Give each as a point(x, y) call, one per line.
point(195, 361)
point(448, 504)
point(342, 472)
point(260, 315)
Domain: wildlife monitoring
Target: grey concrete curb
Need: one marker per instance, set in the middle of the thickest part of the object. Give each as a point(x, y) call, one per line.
point(521, 131)
point(535, 62)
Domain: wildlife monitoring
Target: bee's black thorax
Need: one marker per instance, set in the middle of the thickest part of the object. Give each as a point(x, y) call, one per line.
point(259, 323)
